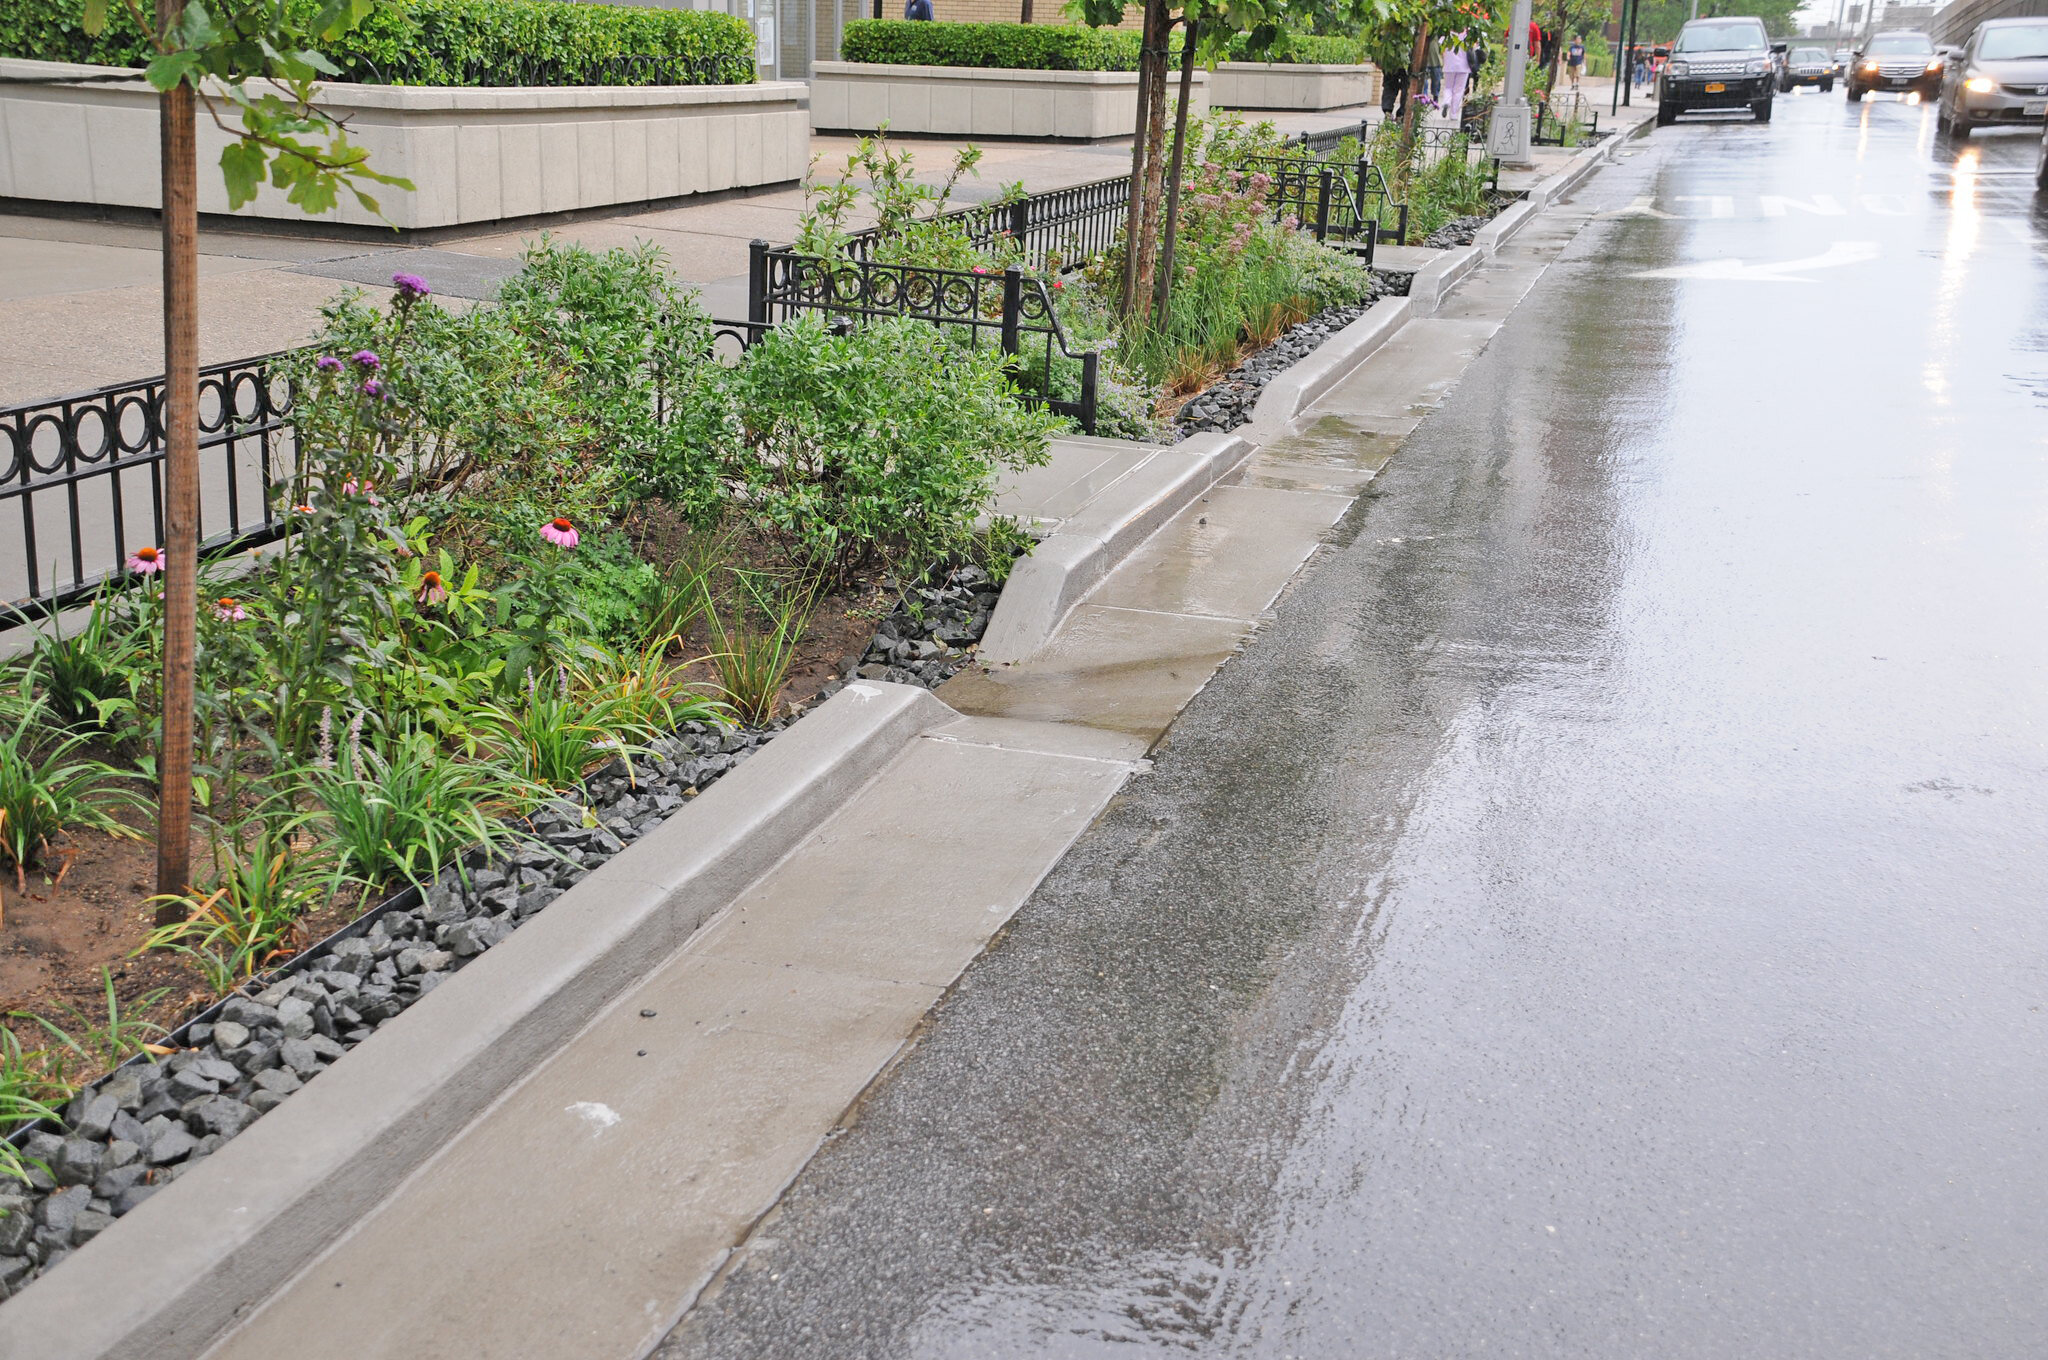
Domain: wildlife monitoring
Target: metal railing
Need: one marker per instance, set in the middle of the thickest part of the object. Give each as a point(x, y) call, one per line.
point(81, 479)
point(1007, 310)
point(1555, 119)
point(1346, 202)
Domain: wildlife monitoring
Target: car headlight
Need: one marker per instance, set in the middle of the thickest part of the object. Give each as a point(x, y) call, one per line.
point(1758, 67)
point(1934, 65)
point(1981, 85)
point(1675, 68)
point(1870, 66)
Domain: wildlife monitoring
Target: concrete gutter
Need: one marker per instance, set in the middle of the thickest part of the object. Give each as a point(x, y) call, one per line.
point(1065, 567)
point(200, 1255)
point(1439, 276)
point(1295, 390)
point(1496, 233)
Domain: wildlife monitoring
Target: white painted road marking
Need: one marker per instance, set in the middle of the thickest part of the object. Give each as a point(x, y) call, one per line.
point(1786, 271)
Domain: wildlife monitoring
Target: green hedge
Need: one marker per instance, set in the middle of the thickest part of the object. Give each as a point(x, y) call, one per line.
point(1303, 49)
point(450, 42)
point(1007, 47)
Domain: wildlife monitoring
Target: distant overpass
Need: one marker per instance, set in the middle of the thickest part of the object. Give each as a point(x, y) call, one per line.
point(1956, 23)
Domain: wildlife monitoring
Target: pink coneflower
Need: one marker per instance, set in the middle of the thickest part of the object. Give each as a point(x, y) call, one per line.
point(327, 363)
point(431, 590)
point(560, 532)
point(146, 561)
point(228, 610)
point(302, 509)
point(369, 489)
point(979, 270)
point(364, 358)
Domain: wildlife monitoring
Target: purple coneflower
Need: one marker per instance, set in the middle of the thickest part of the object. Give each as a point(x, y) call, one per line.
point(431, 590)
point(146, 561)
point(228, 610)
point(560, 532)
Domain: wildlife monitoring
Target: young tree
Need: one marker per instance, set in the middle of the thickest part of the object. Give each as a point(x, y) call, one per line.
point(210, 57)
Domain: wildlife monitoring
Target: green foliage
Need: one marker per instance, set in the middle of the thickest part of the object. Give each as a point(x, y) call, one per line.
point(399, 813)
point(99, 673)
point(1006, 47)
point(430, 42)
point(563, 723)
point(29, 1091)
point(754, 641)
point(616, 590)
point(879, 445)
point(47, 786)
point(248, 918)
point(85, 1047)
point(1288, 47)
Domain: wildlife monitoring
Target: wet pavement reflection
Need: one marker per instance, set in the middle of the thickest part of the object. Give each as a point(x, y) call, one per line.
point(1602, 914)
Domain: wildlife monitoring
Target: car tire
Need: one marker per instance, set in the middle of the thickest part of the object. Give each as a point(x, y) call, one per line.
point(1827, 87)
point(1855, 95)
point(1762, 110)
point(1667, 114)
point(2041, 167)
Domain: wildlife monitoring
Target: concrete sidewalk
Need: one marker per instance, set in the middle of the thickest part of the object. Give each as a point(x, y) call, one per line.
point(81, 301)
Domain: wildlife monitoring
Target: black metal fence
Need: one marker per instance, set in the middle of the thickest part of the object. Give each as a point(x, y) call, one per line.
point(1344, 202)
point(81, 479)
point(1559, 116)
point(1006, 309)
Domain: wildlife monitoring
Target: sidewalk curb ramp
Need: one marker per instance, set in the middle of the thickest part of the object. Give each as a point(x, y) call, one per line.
point(1495, 234)
point(1438, 277)
point(197, 1257)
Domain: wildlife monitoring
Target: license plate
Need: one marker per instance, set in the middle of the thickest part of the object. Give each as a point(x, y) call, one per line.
point(1717, 88)
point(2035, 108)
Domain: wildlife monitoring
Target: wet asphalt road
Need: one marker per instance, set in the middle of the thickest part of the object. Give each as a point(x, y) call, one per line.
point(1603, 913)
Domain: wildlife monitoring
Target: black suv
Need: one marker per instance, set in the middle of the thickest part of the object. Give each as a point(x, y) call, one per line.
point(1719, 64)
point(1903, 61)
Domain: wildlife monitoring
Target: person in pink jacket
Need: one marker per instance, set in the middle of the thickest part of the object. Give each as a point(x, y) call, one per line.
point(1457, 73)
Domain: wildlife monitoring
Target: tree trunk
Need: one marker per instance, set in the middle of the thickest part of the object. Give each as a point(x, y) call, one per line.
point(1417, 80)
point(1155, 151)
point(1162, 287)
point(181, 483)
point(1134, 215)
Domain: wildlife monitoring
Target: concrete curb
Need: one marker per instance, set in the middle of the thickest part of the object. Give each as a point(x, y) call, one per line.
point(172, 1275)
point(1495, 234)
point(1440, 276)
point(1062, 570)
point(1304, 382)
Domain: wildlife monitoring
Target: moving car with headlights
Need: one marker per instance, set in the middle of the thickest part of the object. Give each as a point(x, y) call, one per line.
point(1842, 58)
point(1806, 66)
point(2000, 79)
point(1902, 61)
point(1718, 64)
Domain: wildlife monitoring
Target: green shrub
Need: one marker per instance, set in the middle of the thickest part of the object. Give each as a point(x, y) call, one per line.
point(1298, 49)
point(1007, 47)
point(447, 42)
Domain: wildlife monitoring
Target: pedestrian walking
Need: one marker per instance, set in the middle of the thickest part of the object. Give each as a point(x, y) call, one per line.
point(917, 9)
point(1575, 60)
point(1393, 92)
point(1457, 73)
point(1433, 71)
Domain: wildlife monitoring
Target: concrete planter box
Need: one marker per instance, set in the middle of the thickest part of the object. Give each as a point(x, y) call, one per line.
point(971, 101)
point(1274, 85)
point(475, 155)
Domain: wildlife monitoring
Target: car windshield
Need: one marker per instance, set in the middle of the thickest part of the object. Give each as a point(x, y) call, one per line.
point(2017, 43)
point(1806, 56)
point(1742, 35)
point(1899, 45)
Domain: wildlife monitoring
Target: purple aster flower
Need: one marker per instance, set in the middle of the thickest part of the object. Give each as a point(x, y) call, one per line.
point(373, 388)
point(327, 363)
point(411, 287)
point(366, 359)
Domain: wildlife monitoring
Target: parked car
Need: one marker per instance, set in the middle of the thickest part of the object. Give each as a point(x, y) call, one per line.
point(1719, 64)
point(1903, 61)
point(1806, 66)
point(2001, 78)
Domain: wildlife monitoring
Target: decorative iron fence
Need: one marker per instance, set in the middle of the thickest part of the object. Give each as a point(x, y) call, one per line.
point(1558, 118)
point(81, 479)
point(1336, 201)
point(1006, 310)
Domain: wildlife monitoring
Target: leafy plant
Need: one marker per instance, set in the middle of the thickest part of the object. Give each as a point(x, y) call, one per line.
point(1002, 46)
point(88, 1048)
point(46, 787)
point(564, 724)
point(404, 811)
point(102, 670)
point(249, 919)
point(755, 642)
point(28, 1092)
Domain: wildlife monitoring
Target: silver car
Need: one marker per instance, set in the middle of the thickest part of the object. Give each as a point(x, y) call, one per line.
point(2001, 78)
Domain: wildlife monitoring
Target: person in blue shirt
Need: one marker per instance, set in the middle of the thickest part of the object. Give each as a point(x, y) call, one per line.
point(917, 9)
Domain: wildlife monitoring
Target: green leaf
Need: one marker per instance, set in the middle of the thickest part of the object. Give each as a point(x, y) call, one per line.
point(241, 165)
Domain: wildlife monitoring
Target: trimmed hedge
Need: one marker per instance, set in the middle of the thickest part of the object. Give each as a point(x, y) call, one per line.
point(1304, 50)
point(1049, 47)
point(1004, 47)
point(450, 42)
